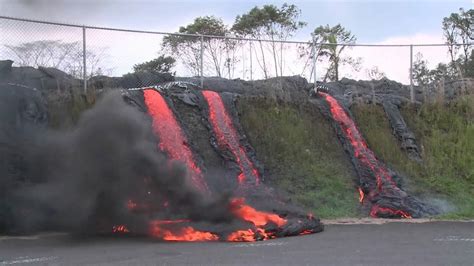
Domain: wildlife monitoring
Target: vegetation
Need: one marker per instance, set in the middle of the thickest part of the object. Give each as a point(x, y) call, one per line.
point(457, 29)
point(220, 50)
point(445, 133)
point(331, 36)
point(301, 155)
point(66, 56)
point(64, 110)
point(161, 64)
point(270, 22)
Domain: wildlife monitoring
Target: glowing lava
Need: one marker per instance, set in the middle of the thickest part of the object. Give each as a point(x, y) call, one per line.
point(378, 211)
point(227, 136)
point(249, 214)
point(167, 230)
point(366, 157)
point(361, 195)
point(172, 139)
point(120, 229)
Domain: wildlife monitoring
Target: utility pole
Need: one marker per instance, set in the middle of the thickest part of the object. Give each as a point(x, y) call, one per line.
point(251, 69)
point(202, 62)
point(314, 61)
point(412, 91)
point(84, 64)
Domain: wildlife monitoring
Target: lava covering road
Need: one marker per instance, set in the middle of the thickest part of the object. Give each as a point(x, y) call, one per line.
point(239, 221)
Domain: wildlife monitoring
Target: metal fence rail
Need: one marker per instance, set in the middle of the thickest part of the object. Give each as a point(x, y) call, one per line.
point(245, 60)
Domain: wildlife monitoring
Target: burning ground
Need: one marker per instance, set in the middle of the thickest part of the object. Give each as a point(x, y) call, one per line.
point(177, 164)
point(126, 171)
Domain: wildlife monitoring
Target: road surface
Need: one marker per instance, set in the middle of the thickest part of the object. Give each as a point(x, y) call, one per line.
point(435, 243)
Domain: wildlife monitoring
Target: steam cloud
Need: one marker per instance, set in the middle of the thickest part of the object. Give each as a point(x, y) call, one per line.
point(85, 176)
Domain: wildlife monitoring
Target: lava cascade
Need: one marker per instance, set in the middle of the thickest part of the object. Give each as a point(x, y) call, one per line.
point(172, 140)
point(227, 136)
point(367, 158)
point(256, 225)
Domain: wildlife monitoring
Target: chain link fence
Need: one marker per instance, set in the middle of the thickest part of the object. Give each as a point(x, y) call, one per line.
point(89, 53)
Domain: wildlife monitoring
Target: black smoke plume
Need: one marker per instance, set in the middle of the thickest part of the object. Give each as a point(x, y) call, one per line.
point(84, 177)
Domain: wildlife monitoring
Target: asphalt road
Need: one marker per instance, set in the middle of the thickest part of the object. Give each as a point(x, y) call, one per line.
point(436, 243)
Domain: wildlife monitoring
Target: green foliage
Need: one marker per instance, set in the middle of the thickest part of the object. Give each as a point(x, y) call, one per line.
point(423, 76)
point(270, 22)
point(331, 36)
point(64, 110)
point(445, 132)
point(162, 64)
point(188, 48)
point(459, 28)
point(302, 155)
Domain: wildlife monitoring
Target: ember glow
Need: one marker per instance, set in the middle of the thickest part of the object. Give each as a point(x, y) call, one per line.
point(242, 222)
point(120, 229)
point(228, 138)
point(249, 214)
point(172, 139)
point(366, 157)
point(378, 211)
point(361, 195)
point(171, 231)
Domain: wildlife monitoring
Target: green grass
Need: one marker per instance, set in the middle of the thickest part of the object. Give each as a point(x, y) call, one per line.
point(64, 110)
point(301, 155)
point(445, 133)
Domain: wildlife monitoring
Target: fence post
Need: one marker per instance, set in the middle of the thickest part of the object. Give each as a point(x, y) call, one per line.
point(314, 60)
point(412, 91)
point(202, 61)
point(251, 69)
point(84, 64)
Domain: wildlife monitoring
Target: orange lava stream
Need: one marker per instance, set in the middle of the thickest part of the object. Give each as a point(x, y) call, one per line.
point(249, 214)
point(361, 195)
point(172, 139)
point(158, 229)
point(227, 135)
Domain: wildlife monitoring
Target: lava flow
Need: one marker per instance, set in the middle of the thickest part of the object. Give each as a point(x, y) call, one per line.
point(227, 136)
point(170, 230)
point(238, 221)
point(172, 139)
point(367, 158)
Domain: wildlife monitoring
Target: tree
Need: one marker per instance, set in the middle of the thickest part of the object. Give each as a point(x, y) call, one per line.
point(270, 22)
point(329, 37)
point(423, 76)
point(374, 74)
point(57, 54)
point(459, 28)
point(188, 48)
point(161, 64)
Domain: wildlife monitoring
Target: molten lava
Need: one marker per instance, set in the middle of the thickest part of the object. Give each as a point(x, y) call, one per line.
point(120, 229)
point(247, 223)
point(249, 214)
point(361, 195)
point(242, 236)
point(366, 157)
point(167, 230)
point(171, 138)
point(227, 136)
point(378, 211)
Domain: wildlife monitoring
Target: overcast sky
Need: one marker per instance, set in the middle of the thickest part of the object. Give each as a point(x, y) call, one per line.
point(370, 21)
point(374, 21)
